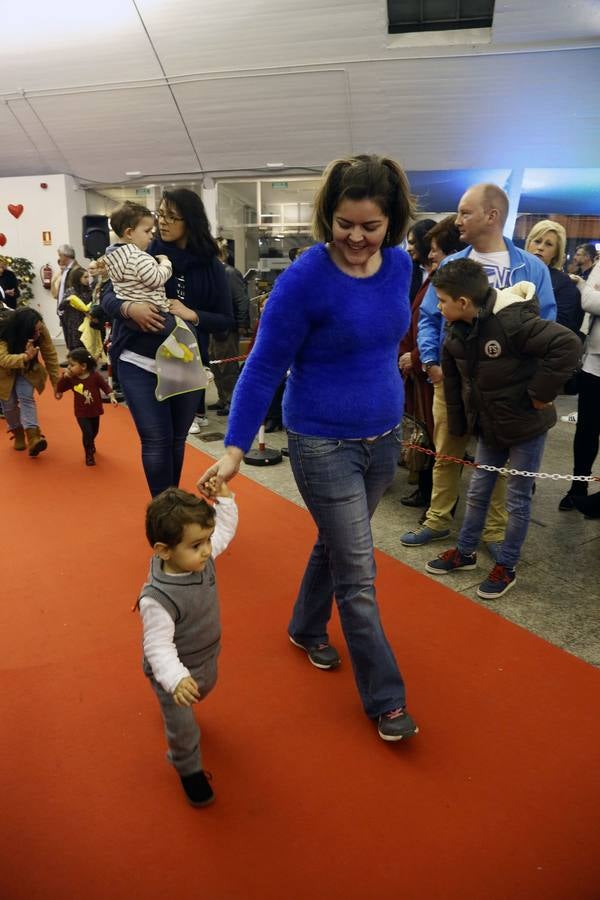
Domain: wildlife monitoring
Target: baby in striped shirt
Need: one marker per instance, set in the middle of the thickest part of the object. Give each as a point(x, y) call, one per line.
point(136, 276)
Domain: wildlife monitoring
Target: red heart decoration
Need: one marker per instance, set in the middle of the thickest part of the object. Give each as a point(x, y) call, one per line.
point(16, 210)
point(2, 239)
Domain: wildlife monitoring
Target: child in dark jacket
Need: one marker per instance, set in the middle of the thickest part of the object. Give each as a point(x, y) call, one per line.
point(503, 366)
point(81, 378)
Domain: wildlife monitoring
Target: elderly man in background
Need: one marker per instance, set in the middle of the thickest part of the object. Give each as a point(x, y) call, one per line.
point(67, 275)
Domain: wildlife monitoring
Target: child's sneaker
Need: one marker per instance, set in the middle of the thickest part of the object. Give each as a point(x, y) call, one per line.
point(197, 789)
point(499, 581)
point(451, 560)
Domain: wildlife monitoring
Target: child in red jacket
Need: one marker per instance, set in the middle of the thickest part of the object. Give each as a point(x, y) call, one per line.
point(86, 384)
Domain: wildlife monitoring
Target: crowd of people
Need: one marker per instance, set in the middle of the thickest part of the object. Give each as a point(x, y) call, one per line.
point(471, 335)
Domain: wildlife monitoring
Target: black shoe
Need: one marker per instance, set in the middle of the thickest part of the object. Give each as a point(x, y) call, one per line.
point(589, 506)
point(197, 789)
point(417, 498)
point(272, 425)
point(89, 458)
point(566, 503)
point(217, 405)
point(323, 656)
point(223, 411)
point(396, 725)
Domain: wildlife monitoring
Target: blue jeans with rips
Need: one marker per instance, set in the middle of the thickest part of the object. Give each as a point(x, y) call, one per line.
point(341, 482)
point(526, 457)
point(161, 424)
point(20, 409)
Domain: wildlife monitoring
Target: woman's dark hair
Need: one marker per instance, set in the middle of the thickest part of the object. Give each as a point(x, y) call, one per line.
point(18, 328)
point(363, 177)
point(190, 207)
point(83, 357)
point(446, 236)
point(169, 513)
point(420, 238)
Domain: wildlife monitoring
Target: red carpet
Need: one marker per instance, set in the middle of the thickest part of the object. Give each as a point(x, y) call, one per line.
point(497, 798)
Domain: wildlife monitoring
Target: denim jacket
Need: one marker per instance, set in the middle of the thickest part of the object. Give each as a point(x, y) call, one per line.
point(523, 267)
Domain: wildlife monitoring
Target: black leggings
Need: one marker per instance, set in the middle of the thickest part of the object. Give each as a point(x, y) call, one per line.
point(587, 431)
point(89, 430)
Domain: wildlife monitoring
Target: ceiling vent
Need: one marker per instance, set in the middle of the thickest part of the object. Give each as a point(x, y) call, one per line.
point(410, 16)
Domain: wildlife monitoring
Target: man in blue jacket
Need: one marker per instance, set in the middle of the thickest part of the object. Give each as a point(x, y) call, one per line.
point(482, 214)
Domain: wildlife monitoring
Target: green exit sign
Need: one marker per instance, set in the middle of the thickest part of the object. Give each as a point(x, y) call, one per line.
point(142, 192)
point(279, 185)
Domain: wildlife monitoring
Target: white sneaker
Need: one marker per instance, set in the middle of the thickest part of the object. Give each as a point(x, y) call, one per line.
point(202, 421)
point(571, 418)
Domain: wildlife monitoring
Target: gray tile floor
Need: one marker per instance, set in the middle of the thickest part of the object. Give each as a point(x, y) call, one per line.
point(558, 592)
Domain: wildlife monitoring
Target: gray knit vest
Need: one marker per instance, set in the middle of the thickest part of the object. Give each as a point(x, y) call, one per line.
point(193, 604)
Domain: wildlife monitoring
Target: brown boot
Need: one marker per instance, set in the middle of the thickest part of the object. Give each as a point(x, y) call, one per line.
point(35, 441)
point(18, 436)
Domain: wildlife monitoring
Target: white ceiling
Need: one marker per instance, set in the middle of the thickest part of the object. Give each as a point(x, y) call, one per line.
point(193, 86)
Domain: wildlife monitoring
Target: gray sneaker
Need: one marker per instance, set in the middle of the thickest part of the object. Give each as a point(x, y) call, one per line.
point(323, 656)
point(396, 725)
point(422, 536)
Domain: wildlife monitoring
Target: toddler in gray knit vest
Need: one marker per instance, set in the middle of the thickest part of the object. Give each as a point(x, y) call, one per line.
point(179, 606)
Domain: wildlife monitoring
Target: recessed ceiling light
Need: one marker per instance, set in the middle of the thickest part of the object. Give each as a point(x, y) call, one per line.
point(133, 173)
point(275, 165)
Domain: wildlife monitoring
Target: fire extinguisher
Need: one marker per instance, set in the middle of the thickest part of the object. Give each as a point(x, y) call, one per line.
point(46, 276)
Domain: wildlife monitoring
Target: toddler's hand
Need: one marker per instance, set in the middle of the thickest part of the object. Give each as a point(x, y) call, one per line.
point(162, 258)
point(113, 400)
point(58, 395)
point(186, 692)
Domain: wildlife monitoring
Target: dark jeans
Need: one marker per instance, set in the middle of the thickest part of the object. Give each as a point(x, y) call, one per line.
point(341, 483)
point(587, 430)
point(89, 430)
point(161, 424)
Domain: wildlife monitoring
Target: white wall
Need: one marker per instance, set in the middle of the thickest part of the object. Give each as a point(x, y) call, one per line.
point(58, 209)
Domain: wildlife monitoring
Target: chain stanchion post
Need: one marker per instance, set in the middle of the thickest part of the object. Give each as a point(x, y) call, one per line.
point(263, 456)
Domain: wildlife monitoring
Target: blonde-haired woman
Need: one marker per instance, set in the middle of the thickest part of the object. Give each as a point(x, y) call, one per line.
point(335, 319)
point(547, 240)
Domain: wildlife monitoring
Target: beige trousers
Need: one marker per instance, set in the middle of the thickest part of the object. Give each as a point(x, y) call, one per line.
point(446, 478)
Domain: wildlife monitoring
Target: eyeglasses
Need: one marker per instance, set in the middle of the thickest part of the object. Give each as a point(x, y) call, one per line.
point(168, 219)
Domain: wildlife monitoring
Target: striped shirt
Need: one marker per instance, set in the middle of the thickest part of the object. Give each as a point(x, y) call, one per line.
point(138, 276)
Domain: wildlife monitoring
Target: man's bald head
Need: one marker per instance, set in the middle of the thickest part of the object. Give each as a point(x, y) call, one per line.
point(482, 214)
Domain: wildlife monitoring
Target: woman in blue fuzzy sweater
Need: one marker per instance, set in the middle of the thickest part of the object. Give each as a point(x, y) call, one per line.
point(335, 319)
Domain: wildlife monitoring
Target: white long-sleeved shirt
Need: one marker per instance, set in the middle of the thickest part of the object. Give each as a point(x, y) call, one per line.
point(138, 276)
point(159, 627)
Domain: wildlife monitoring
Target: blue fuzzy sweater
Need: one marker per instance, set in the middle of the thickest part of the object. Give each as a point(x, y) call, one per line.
point(339, 336)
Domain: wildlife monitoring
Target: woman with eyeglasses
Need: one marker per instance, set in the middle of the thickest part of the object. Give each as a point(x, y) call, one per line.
point(201, 299)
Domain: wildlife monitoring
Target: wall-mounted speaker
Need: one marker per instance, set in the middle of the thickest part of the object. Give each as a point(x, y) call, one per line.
point(95, 236)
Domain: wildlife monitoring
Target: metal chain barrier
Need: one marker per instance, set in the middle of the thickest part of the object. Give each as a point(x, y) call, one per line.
point(501, 469)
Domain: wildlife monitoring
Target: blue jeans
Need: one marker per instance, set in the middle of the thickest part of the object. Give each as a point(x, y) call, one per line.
point(527, 458)
point(341, 483)
point(20, 409)
point(161, 424)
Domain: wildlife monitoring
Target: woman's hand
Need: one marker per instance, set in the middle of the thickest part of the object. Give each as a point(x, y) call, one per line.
point(539, 404)
point(58, 395)
point(577, 279)
point(30, 349)
point(146, 315)
point(222, 470)
point(177, 308)
point(405, 363)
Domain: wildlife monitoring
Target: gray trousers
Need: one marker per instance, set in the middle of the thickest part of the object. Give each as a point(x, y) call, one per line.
point(181, 729)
